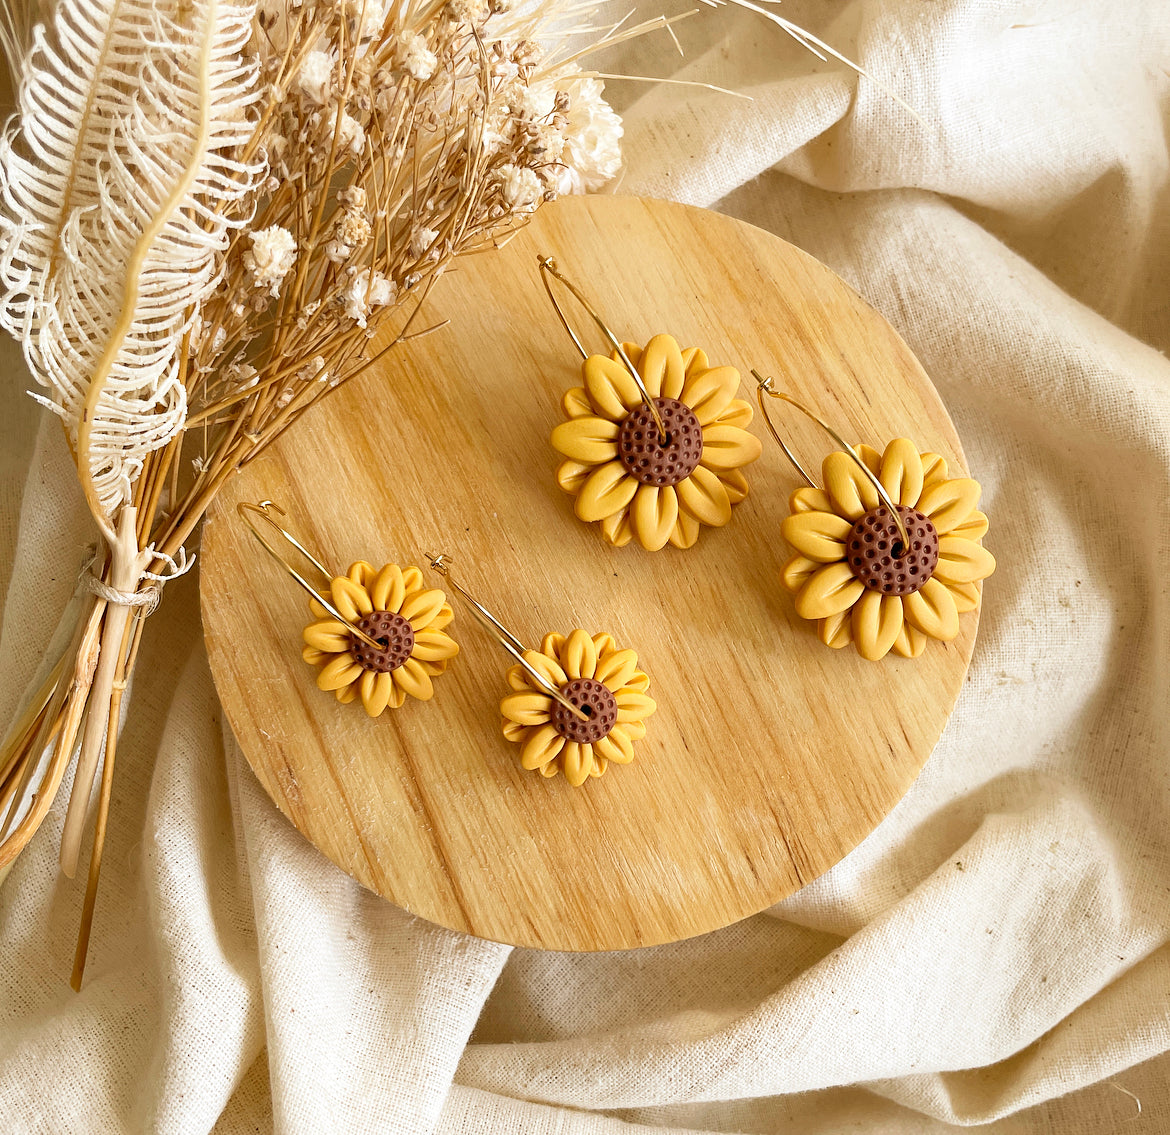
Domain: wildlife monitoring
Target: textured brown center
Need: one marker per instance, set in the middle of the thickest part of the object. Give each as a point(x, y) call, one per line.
point(647, 457)
point(595, 701)
point(394, 633)
point(875, 553)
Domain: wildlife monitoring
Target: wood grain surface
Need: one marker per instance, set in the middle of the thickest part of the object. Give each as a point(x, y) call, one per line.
point(770, 756)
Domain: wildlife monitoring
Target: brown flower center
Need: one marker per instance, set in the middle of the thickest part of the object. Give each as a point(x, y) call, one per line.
point(650, 459)
point(875, 552)
point(595, 701)
point(394, 633)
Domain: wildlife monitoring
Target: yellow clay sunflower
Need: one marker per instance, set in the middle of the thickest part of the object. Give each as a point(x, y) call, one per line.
point(616, 465)
point(598, 678)
point(852, 576)
point(394, 607)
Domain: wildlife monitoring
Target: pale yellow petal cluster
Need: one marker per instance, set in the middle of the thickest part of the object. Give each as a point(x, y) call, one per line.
point(362, 590)
point(845, 610)
point(527, 710)
point(592, 471)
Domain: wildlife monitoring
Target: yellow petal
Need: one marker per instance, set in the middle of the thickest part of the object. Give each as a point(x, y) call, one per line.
point(412, 678)
point(738, 413)
point(600, 764)
point(633, 705)
point(608, 490)
point(736, 485)
point(949, 503)
point(965, 595)
point(604, 643)
point(318, 611)
point(328, 635)
point(589, 440)
point(634, 730)
point(551, 769)
point(443, 619)
point(421, 608)
point(661, 367)
point(728, 447)
point(901, 474)
point(962, 561)
point(837, 630)
point(346, 694)
point(552, 644)
point(910, 643)
point(338, 672)
point(633, 353)
point(877, 621)
point(818, 535)
point(853, 494)
point(412, 579)
point(579, 657)
point(361, 573)
point(548, 668)
point(806, 499)
point(434, 646)
point(518, 678)
point(932, 610)
point(576, 403)
point(653, 515)
point(576, 760)
point(512, 731)
point(615, 670)
point(797, 572)
point(973, 528)
point(541, 746)
point(934, 468)
point(870, 457)
point(611, 387)
point(709, 392)
point(617, 529)
point(571, 475)
point(351, 599)
point(695, 359)
point(686, 531)
point(315, 657)
point(638, 681)
point(526, 707)
point(831, 589)
point(704, 497)
point(388, 590)
point(616, 747)
point(376, 693)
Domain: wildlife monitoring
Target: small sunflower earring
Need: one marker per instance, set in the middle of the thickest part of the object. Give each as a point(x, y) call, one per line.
point(576, 704)
point(888, 553)
point(655, 440)
point(378, 633)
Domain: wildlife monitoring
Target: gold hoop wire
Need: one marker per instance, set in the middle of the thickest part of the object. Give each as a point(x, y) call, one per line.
point(767, 386)
point(264, 510)
point(548, 267)
point(442, 564)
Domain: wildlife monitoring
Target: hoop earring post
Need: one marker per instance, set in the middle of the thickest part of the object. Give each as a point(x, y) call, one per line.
point(262, 509)
point(548, 267)
point(442, 564)
point(767, 386)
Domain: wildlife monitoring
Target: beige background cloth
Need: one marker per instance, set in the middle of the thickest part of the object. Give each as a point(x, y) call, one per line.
point(995, 953)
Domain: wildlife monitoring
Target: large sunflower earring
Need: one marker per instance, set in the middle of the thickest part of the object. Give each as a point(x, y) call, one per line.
point(575, 705)
point(888, 553)
point(377, 633)
point(654, 440)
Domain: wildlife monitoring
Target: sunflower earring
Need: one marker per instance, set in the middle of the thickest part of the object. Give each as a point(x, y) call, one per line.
point(378, 633)
point(576, 704)
point(655, 440)
point(888, 553)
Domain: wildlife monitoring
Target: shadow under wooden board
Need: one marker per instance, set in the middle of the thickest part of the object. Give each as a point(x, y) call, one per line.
point(770, 756)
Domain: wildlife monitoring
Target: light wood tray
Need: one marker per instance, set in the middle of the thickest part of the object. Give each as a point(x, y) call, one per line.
point(770, 756)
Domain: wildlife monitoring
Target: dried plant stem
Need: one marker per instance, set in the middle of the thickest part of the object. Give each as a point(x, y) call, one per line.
point(127, 649)
point(126, 567)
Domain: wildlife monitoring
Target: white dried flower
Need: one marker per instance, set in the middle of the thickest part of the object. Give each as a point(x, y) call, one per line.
point(534, 101)
point(352, 197)
point(352, 135)
point(351, 232)
point(520, 188)
point(473, 12)
point(364, 293)
point(313, 370)
point(315, 79)
point(421, 241)
point(271, 257)
point(592, 154)
point(372, 14)
point(416, 58)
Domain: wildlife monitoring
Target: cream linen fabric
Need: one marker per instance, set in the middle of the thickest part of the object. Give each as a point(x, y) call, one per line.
point(995, 953)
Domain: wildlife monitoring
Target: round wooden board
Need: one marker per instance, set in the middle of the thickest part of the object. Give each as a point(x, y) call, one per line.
point(770, 756)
